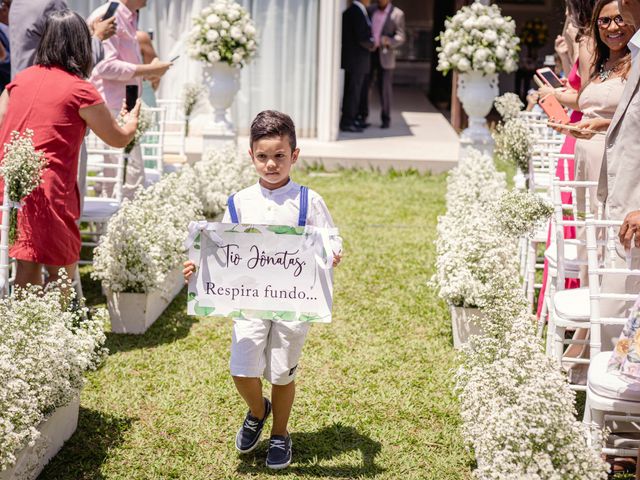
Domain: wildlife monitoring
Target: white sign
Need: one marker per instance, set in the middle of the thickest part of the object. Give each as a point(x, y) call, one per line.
point(261, 271)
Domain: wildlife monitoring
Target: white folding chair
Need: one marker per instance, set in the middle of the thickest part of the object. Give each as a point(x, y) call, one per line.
point(175, 124)
point(4, 246)
point(152, 145)
point(568, 309)
point(542, 170)
point(99, 208)
point(612, 399)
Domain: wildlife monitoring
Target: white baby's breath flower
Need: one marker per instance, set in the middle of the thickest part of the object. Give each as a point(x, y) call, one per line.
point(45, 348)
point(144, 240)
point(518, 412)
point(22, 168)
point(514, 143)
point(520, 212)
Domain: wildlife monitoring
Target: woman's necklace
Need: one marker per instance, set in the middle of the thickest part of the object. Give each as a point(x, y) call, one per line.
point(604, 74)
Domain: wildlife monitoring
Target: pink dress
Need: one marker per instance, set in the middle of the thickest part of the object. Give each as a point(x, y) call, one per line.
point(569, 149)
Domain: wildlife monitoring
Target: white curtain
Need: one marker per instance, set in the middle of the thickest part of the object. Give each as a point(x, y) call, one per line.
point(282, 77)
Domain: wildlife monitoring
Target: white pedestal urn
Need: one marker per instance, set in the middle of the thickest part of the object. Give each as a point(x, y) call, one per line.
point(223, 83)
point(464, 324)
point(134, 313)
point(55, 430)
point(477, 92)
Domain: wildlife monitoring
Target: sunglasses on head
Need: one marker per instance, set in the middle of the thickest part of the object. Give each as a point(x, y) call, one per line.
point(604, 22)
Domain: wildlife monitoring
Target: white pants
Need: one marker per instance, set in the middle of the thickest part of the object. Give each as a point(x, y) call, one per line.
point(267, 348)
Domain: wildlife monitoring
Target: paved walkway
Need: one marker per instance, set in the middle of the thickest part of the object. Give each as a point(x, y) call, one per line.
point(420, 138)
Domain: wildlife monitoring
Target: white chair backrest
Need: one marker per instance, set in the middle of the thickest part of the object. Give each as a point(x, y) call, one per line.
point(566, 215)
point(596, 271)
point(543, 164)
point(152, 142)
point(4, 245)
point(562, 159)
point(174, 124)
point(101, 171)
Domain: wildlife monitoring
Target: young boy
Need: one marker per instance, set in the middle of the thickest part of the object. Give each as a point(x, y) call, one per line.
point(271, 348)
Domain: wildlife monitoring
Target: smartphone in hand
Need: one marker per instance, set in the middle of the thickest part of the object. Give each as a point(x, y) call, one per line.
point(549, 77)
point(554, 109)
point(111, 11)
point(131, 96)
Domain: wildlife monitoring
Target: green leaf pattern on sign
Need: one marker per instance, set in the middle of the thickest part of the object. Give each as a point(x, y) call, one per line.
point(285, 230)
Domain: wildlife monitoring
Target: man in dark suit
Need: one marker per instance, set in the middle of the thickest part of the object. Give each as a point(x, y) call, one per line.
point(388, 30)
point(357, 43)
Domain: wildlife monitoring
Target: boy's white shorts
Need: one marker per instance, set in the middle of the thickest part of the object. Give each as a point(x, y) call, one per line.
point(267, 348)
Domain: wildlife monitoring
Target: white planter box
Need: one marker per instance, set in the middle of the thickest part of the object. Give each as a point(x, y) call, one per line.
point(136, 312)
point(463, 324)
point(54, 431)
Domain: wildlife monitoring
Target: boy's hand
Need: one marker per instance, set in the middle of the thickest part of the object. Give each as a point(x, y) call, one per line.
point(189, 269)
point(336, 259)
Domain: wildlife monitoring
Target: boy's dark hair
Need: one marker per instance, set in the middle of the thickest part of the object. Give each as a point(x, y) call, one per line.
point(270, 123)
point(66, 43)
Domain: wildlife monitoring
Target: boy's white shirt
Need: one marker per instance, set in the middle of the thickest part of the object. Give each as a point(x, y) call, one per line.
point(260, 206)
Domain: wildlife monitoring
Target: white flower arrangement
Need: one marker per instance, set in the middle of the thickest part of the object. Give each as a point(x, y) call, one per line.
point(509, 106)
point(143, 243)
point(22, 169)
point(474, 183)
point(517, 409)
point(191, 94)
point(521, 212)
point(144, 240)
point(478, 38)
point(222, 172)
point(514, 143)
point(44, 351)
point(223, 32)
point(469, 247)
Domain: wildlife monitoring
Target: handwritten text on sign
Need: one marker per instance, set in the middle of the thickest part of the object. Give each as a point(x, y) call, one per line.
point(259, 271)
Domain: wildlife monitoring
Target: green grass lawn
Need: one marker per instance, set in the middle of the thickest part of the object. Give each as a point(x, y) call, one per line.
point(374, 389)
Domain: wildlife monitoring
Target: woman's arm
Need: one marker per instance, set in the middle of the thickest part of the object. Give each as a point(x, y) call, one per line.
point(562, 49)
point(4, 105)
point(567, 97)
point(100, 120)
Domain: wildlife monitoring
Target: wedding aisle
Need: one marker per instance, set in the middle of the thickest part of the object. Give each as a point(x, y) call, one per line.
point(375, 388)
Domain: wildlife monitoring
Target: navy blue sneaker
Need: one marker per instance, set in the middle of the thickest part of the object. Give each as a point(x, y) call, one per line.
point(249, 434)
point(279, 455)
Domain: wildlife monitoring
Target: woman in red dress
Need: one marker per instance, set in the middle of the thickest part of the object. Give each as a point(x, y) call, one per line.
point(53, 99)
